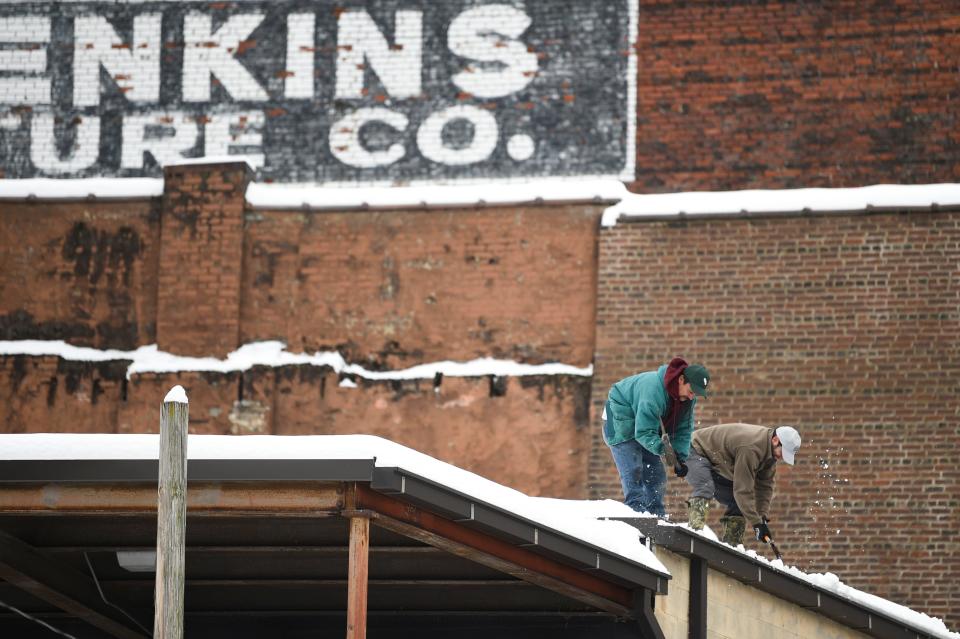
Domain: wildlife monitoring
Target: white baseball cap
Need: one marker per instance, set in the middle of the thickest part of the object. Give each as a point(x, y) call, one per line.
point(790, 440)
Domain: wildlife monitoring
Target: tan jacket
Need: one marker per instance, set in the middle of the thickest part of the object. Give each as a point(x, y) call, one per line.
point(743, 453)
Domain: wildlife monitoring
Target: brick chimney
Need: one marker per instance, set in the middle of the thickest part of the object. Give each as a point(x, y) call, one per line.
point(201, 255)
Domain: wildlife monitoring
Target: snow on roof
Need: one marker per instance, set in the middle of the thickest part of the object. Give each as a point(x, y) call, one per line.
point(149, 359)
point(423, 195)
point(574, 518)
point(352, 195)
point(579, 519)
point(830, 582)
point(213, 159)
point(103, 188)
point(884, 196)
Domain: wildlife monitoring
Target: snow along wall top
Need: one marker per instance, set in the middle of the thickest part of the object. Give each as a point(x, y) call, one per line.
point(315, 91)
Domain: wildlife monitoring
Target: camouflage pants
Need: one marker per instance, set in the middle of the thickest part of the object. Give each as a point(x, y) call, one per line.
point(708, 485)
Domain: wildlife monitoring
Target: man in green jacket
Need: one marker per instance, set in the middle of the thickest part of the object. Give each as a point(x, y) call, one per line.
point(736, 464)
point(639, 410)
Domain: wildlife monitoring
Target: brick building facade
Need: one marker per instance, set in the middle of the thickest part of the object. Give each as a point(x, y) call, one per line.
point(843, 325)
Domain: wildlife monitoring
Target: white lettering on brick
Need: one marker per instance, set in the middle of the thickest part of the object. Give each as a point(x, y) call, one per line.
point(24, 86)
point(359, 41)
point(43, 144)
point(135, 67)
point(241, 131)
point(482, 145)
point(207, 54)
point(345, 142)
point(488, 34)
point(298, 82)
point(165, 135)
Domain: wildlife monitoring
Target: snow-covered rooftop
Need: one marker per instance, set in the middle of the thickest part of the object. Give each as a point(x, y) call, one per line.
point(503, 192)
point(346, 196)
point(582, 520)
point(104, 188)
point(785, 201)
point(831, 583)
point(575, 518)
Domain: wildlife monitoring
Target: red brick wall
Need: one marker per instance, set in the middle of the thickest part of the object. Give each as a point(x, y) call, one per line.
point(393, 289)
point(389, 290)
point(85, 272)
point(201, 253)
point(735, 95)
point(531, 433)
point(844, 326)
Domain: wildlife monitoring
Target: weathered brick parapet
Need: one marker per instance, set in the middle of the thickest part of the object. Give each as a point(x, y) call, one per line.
point(201, 257)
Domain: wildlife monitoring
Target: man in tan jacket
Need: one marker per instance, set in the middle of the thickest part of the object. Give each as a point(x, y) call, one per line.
point(736, 465)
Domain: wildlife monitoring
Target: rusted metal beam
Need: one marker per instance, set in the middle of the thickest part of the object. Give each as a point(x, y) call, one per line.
point(32, 571)
point(452, 537)
point(309, 499)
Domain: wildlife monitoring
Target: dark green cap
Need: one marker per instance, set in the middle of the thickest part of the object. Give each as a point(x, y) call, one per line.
point(698, 377)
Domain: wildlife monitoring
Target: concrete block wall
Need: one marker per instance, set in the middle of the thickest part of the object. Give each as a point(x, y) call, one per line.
point(843, 326)
point(737, 611)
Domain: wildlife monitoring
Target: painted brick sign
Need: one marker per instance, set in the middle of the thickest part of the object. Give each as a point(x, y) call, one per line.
point(319, 91)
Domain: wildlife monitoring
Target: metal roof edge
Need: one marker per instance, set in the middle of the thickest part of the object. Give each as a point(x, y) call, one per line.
point(146, 470)
point(776, 582)
point(307, 207)
point(472, 512)
point(640, 218)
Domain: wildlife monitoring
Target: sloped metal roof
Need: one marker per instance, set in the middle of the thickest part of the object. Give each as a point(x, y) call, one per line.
point(267, 546)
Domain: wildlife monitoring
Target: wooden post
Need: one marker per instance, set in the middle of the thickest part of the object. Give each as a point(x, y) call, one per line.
point(357, 580)
point(358, 565)
point(171, 517)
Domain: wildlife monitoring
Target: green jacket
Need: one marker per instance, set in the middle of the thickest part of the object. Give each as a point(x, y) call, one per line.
point(635, 407)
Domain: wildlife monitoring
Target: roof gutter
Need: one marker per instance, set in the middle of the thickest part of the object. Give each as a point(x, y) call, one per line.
point(760, 575)
point(537, 537)
point(397, 482)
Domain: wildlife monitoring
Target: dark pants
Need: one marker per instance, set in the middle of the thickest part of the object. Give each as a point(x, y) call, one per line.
point(708, 484)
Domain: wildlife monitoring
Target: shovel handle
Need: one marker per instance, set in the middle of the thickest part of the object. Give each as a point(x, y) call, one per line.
point(776, 551)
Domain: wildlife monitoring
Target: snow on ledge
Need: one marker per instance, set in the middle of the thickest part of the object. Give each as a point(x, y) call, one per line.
point(250, 160)
point(148, 359)
point(100, 188)
point(425, 195)
point(707, 203)
point(831, 583)
point(577, 519)
point(422, 195)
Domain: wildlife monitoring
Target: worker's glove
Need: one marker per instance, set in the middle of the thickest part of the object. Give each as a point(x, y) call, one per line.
point(763, 532)
point(681, 469)
point(669, 455)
